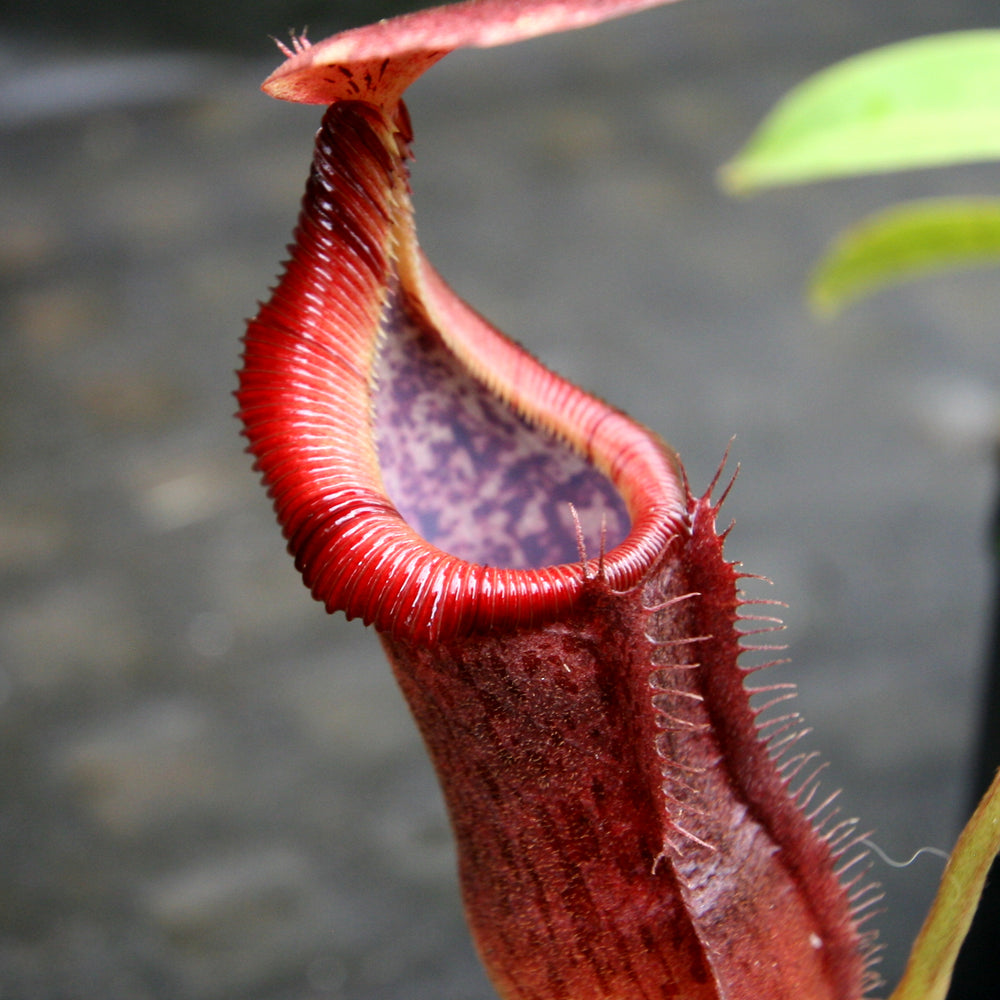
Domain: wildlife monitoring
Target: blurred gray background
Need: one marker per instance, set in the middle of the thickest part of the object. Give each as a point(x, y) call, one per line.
point(211, 789)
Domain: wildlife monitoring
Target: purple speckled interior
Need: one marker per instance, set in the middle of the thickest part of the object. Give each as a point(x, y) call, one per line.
point(469, 474)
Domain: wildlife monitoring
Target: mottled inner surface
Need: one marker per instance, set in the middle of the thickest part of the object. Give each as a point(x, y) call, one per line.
point(469, 474)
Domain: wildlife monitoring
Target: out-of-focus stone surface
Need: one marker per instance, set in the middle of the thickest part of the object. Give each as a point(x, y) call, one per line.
point(208, 788)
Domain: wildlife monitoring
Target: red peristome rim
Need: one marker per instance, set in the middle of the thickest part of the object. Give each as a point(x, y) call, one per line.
point(378, 61)
point(305, 399)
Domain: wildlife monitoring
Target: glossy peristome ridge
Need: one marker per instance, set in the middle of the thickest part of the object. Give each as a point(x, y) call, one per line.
point(554, 601)
point(306, 399)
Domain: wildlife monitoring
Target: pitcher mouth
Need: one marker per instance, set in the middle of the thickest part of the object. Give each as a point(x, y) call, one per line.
point(423, 511)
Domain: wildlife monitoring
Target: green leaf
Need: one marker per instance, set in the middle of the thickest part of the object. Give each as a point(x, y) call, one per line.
point(932, 960)
point(905, 242)
point(921, 103)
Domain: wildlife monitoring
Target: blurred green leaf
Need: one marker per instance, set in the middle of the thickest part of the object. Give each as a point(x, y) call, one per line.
point(928, 971)
point(905, 242)
point(920, 103)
